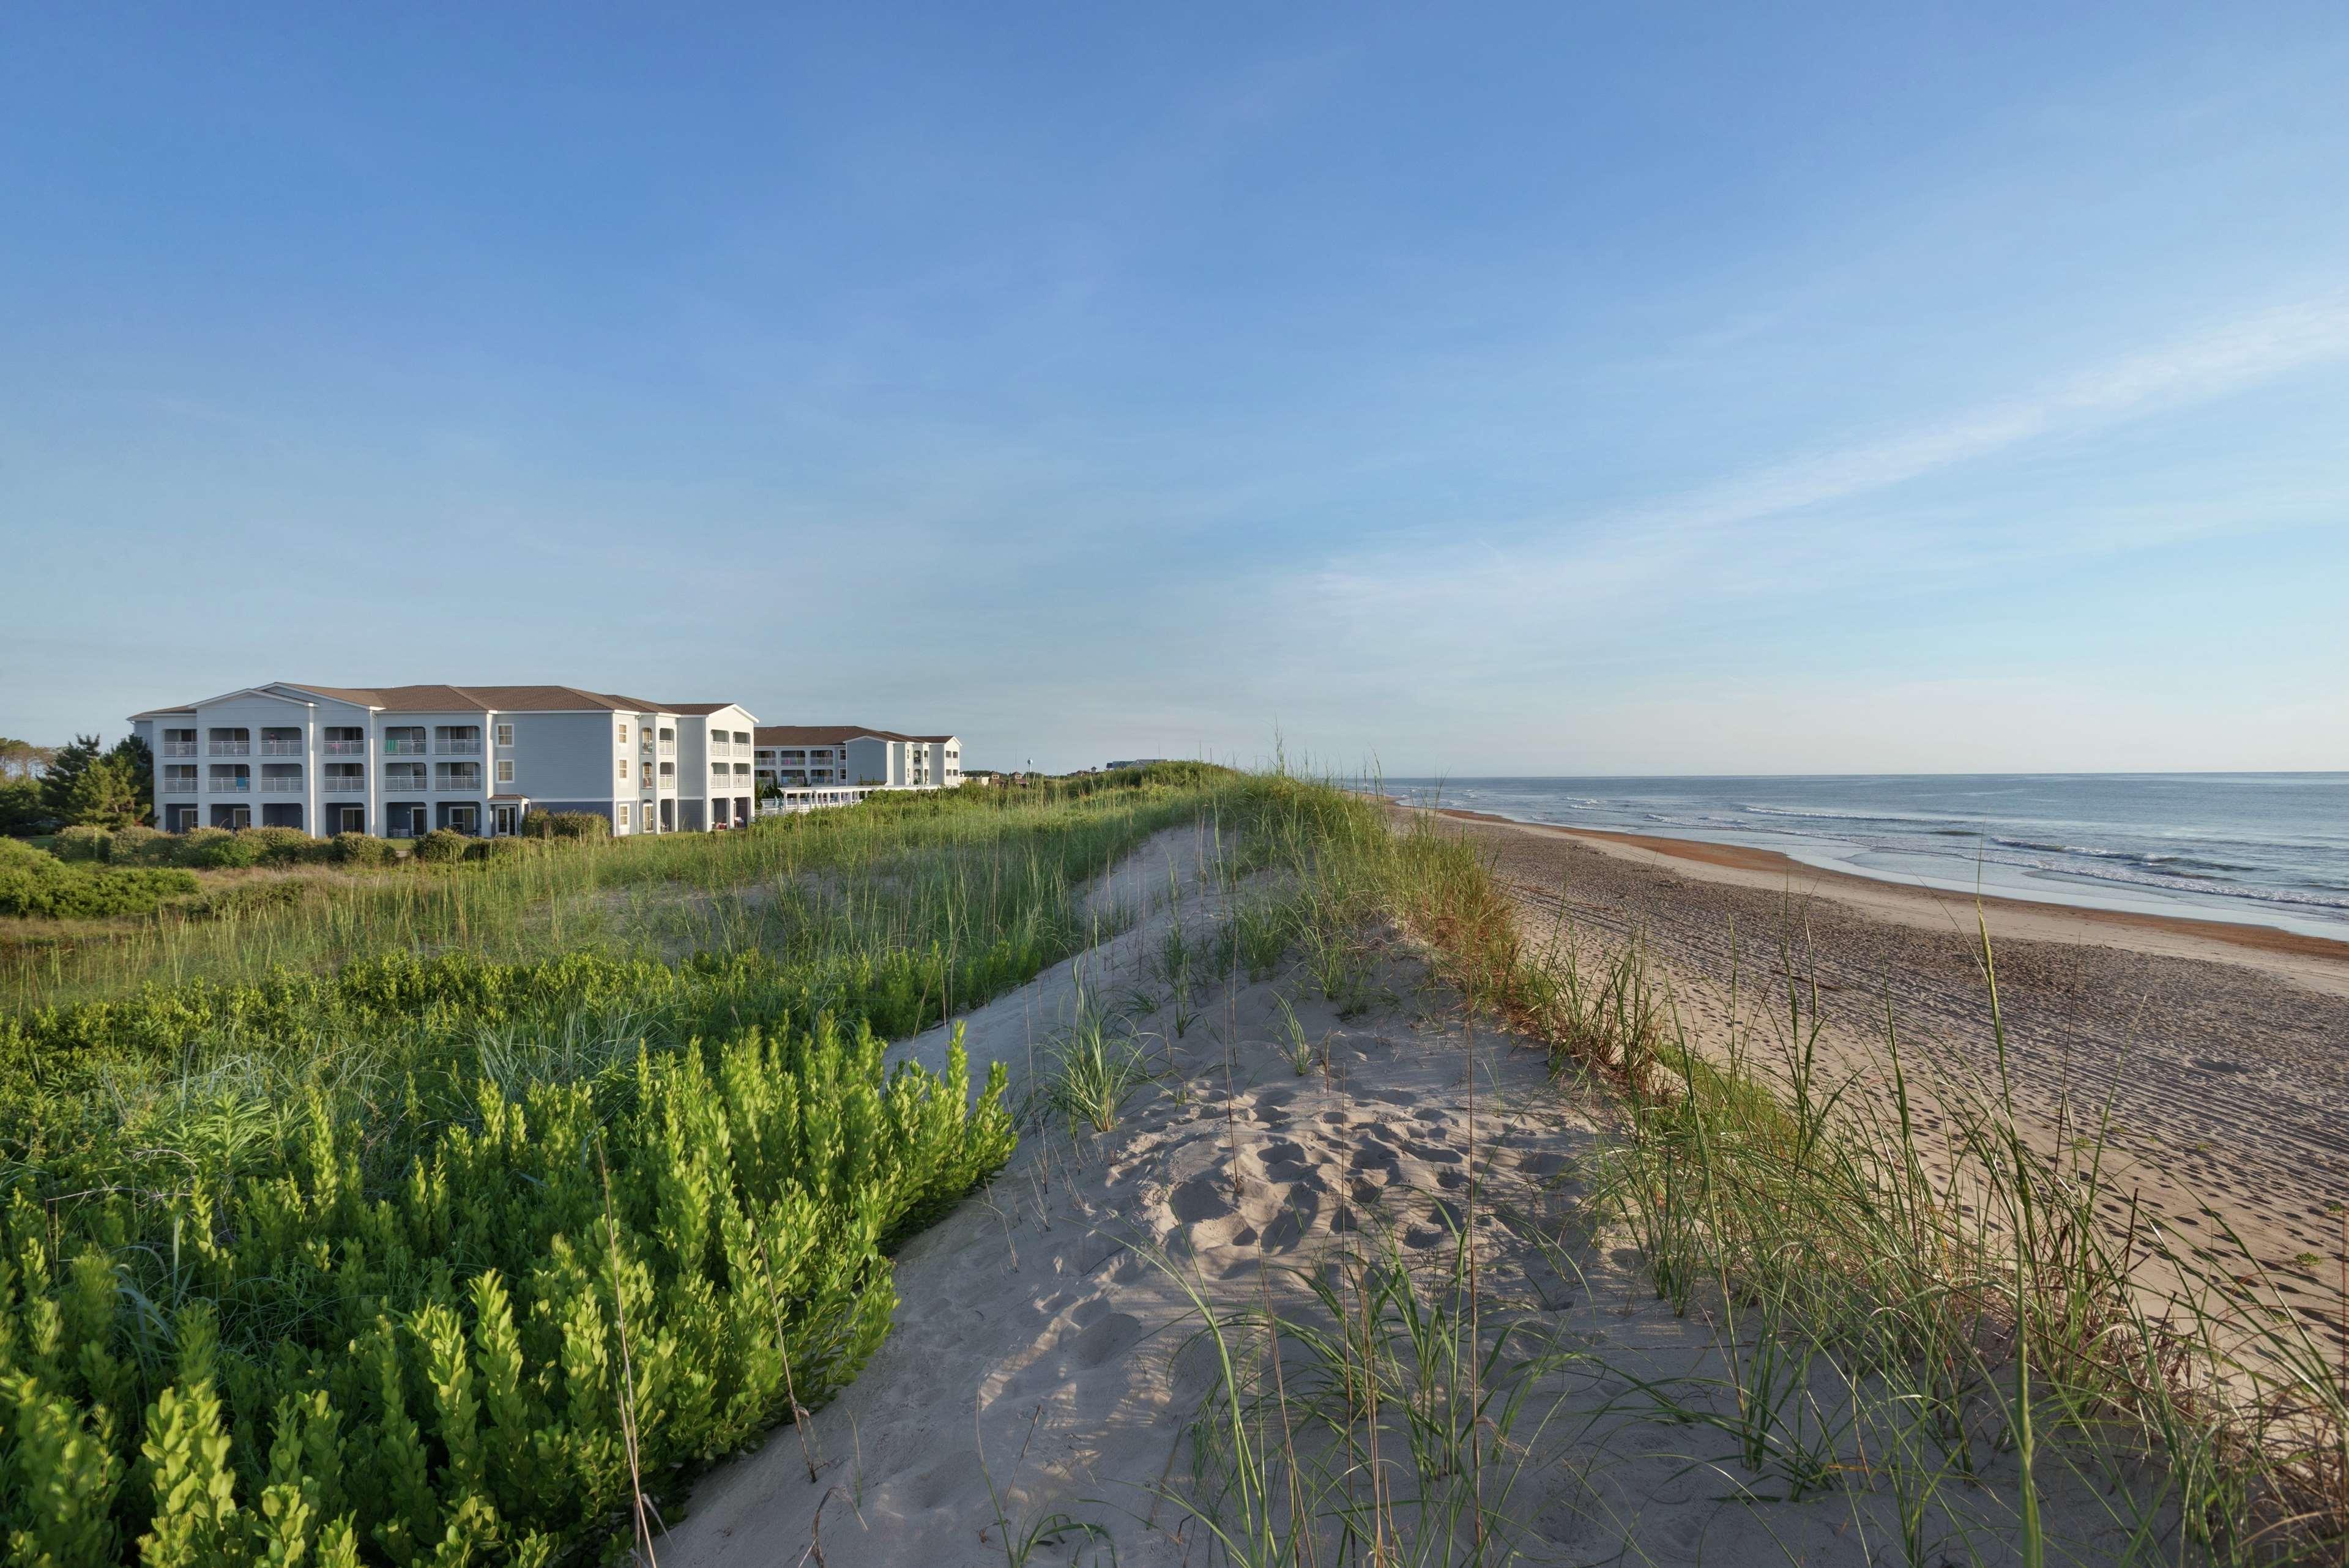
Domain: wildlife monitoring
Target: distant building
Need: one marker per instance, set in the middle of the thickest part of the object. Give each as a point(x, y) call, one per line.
point(799, 767)
point(400, 761)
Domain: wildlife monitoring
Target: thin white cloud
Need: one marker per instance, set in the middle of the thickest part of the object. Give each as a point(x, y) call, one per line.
point(1627, 549)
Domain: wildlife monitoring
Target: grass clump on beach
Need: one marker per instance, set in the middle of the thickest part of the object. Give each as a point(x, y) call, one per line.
point(458, 1214)
point(1955, 1325)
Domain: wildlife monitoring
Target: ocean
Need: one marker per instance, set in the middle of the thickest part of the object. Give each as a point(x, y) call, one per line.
point(2265, 848)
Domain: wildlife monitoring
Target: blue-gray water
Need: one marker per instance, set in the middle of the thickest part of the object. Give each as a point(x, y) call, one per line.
point(2270, 849)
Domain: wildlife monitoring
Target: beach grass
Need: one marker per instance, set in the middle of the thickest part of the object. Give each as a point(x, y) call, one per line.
point(1958, 1325)
point(587, 1158)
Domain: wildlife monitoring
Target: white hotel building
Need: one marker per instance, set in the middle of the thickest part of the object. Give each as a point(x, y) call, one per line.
point(400, 761)
point(814, 765)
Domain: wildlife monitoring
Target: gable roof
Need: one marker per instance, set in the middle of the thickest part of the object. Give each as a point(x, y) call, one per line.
point(500, 699)
point(819, 734)
point(458, 699)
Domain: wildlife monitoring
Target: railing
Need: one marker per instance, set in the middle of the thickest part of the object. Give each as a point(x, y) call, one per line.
point(282, 748)
point(458, 784)
point(344, 784)
point(345, 747)
point(394, 779)
point(231, 749)
point(231, 786)
point(457, 748)
point(179, 749)
point(392, 747)
point(179, 786)
point(281, 786)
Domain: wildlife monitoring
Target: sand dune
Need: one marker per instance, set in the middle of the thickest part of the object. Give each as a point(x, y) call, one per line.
point(1045, 1367)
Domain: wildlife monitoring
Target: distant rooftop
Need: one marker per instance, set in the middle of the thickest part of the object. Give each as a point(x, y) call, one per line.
point(459, 699)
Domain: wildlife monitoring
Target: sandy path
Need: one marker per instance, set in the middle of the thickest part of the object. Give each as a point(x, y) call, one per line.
point(1033, 1372)
point(2224, 1054)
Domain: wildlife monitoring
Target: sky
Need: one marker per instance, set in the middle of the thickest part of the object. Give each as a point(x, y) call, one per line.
point(1453, 390)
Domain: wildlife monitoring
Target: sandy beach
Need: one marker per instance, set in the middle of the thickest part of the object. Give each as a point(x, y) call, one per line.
point(1044, 1389)
point(2221, 1050)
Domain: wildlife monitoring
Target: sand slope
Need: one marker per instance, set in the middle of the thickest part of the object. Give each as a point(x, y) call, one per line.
point(1039, 1372)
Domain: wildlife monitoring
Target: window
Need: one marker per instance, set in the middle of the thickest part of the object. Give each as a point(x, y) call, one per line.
point(624, 814)
point(624, 767)
point(668, 734)
point(742, 738)
point(717, 770)
point(624, 734)
point(505, 735)
point(505, 770)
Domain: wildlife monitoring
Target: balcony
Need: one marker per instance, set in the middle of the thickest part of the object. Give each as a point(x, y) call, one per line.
point(456, 749)
point(232, 749)
point(179, 749)
point(458, 783)
point(231, 786)
point(395, 746)
point(281, 786)
point(344, 747)
point(282, 748)
point(401, 778)
point(344, 784)
point(182, 785)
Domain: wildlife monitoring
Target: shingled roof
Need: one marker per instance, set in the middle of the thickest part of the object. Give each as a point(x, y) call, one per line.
point(819, 734)
point(493, 698)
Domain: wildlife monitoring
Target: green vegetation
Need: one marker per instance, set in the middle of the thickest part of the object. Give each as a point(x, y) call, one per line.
point(40, 886)
point(457, 1213)
point(1974, 1300)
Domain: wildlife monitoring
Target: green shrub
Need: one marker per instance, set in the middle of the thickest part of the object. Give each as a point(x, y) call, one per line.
point(140, 846)
point(429, 1368)
point(496, 849)
point(442, 845)
point(83, 844)
point(362, 849)
point(36, 885)
point(566, 825)
point(217, 849)
point(289, 846)
point(16, 853)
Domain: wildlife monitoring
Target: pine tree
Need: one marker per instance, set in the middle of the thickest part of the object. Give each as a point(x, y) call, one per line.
point(64, 771)
point(103, 797)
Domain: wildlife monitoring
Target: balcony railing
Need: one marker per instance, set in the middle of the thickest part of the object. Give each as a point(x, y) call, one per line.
point(395, 778)
point(231, 786)
point(179, 786)
point(457, 748)
point(282, 748)
point(397, 748)
point(179, 749)
point(344, 748)
point(232, 749)
point(344, 783)
point(459, 784)
point(281, 786)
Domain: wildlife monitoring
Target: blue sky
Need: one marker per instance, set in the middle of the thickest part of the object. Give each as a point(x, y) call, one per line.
point(1476, 389)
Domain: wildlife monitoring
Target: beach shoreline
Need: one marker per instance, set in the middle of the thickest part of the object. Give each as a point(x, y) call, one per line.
point(2319, 962)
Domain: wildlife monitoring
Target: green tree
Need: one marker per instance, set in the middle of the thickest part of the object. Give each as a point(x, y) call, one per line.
point(65, 770)
point(138, 762)
point(22, 811)
point(101, 796)
point(23, 760)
